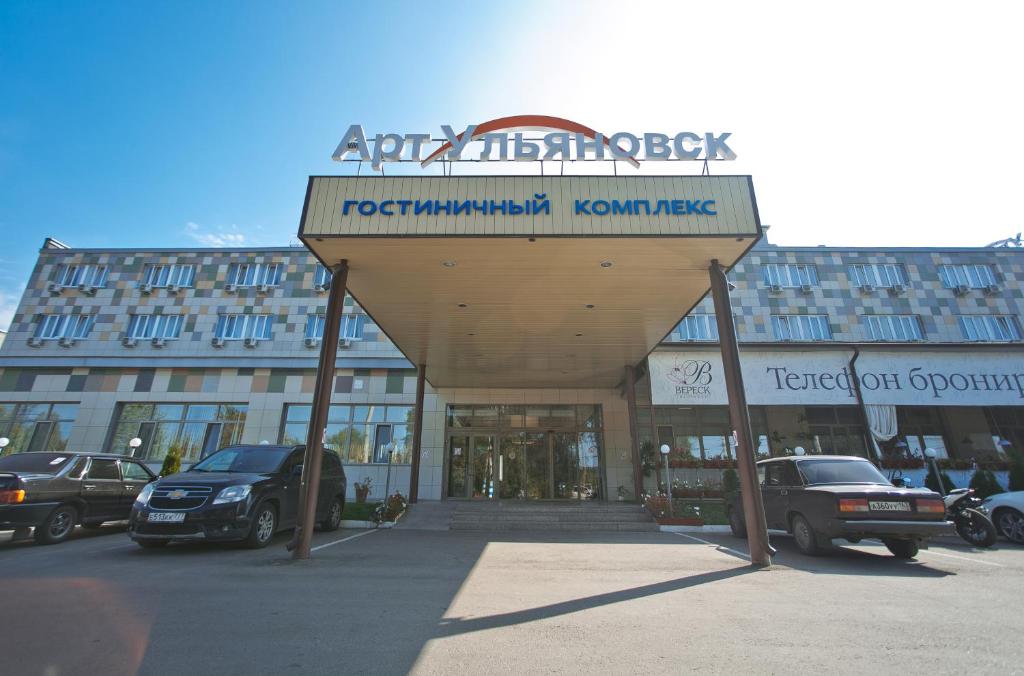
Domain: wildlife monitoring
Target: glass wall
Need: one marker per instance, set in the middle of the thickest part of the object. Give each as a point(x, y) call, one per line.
point(360, 434)
point(200, 429)
point(36, 426)
point(697, 435)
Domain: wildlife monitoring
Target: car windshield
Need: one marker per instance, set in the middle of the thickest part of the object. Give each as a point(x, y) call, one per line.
point(840, 471)
point(38, 463)
point(253, 459)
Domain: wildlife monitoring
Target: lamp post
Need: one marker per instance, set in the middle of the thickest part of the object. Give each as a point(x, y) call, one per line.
point(929, 454)
point(665, 450)
point(3, 444)
point(134, 445)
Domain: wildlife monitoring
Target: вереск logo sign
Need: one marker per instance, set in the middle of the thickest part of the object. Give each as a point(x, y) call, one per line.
point(563, 140)
point(692, 377)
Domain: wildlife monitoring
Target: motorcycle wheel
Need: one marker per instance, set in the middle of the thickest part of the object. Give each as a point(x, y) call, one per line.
point(976, 528)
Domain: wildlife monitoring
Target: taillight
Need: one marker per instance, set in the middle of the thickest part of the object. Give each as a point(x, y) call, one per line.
point(853, 504)
point(931, 506)
point(12, 497)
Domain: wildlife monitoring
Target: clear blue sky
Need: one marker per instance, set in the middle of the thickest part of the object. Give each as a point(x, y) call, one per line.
point(182, 123)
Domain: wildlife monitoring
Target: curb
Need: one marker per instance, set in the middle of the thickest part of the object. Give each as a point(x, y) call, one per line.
point(693, 529)
point(346, 523)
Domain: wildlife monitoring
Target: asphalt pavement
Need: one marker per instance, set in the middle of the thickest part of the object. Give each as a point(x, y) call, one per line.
point(439, 602)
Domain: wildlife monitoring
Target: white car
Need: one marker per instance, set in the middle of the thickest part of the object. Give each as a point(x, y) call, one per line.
point(1007, 512)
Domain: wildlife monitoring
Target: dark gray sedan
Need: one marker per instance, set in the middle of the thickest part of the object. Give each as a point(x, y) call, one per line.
point(819, 498)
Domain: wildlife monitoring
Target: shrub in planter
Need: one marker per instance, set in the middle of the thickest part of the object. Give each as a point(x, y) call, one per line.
point(931, 483)
point(363, 489)
point(392, 508)
point(657, 505)
point(730, 482)
point(984, 484)
point(172, 461)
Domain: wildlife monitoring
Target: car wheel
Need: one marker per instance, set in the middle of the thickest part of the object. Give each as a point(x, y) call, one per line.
point(1010, 524)
point(736, 524)
point(264, 525)
point(333, 520)
point(806, 540)
point(57, 526)
point(152, 544)
point(901, 549)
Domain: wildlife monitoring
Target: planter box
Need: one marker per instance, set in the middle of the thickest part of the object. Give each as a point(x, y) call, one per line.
point(679, 521)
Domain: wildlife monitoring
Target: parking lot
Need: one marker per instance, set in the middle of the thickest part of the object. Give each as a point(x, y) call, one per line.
point(433, 602)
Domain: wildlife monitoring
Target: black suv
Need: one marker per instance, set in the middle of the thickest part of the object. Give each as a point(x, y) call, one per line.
point(239, 493)
point(53, 492)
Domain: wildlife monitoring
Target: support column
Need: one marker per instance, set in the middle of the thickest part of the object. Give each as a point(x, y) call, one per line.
point(739, 416)
point(417, 435)
point(309, 488)
point(634, 433)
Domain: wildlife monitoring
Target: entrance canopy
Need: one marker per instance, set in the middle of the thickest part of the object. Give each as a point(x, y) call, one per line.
point(523, 281)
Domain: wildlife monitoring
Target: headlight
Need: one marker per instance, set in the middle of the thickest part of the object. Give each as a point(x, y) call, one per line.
point(232, 494)
point(142, 499)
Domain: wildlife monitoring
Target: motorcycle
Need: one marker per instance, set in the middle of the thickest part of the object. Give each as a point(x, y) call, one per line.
point(969, 517)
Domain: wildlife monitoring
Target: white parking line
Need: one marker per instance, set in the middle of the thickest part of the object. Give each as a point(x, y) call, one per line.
point(929, 552)
point(338, 542)
point(714, 544)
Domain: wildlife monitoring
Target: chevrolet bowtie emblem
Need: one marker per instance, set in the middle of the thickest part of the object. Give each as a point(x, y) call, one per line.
point(177, 494)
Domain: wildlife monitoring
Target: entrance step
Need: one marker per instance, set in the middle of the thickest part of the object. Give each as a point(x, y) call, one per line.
point(549, 516)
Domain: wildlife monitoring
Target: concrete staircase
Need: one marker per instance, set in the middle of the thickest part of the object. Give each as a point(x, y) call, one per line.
point(549, 516)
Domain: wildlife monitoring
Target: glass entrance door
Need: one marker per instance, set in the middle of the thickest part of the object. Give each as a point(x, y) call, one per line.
point(471, 467)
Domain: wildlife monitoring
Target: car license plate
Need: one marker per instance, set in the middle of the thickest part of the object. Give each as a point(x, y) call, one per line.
point(167, 517)
point(886, 506)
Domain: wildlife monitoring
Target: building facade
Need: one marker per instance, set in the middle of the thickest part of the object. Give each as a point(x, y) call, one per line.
point(866, 351)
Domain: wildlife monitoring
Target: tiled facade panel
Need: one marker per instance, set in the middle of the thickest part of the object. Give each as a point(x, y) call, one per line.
point(845, 304)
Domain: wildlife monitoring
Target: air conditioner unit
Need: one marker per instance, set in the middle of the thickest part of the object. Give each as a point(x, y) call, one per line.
point(159, 342)
point(252, 342)
point(66, 341)
point(217, 342)
point(263, 288)
point(867, 288)
point(345, 343)
point(992, 289)
point(897, 289)
point(128, 341)
point(54, 288)
point(173, 288)
point(775, 288)
point(312, 342)
point(230, 288)
point(805, 288)
point(35, 342)
point(146, 288)
point(87, 289)
point(962, 290)
point(319, 288)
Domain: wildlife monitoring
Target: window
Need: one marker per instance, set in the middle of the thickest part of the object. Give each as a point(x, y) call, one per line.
point(919, 427)
point(801, 327)
point(971, 276)
point(134, 472)
point(199, 429)
point(698, 327)
point(351, 326)
point(989, 328)
point(322, 276)
point(790, 275)
point(240, 327)
point(894, 328)
point(52, 327)
point(82, 275)
point(37, 426)
point(144, 327)
point(169, 275)
point(254, 274)
point(359, 434)
point(885, 275)
point(100, 468)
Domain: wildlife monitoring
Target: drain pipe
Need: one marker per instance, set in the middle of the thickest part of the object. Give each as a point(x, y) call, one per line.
point(873, 448)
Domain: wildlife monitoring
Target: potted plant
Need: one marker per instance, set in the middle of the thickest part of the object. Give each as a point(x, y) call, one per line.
point(363, 489)
point(391, 509)
point(622, 492)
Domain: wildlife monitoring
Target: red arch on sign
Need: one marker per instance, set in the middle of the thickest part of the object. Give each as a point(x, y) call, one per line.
point(524, 123)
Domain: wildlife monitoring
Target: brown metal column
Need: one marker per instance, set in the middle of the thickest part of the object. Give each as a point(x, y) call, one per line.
point(634, 433)
point(310, 486)
point(417, 427)
point(750, 491)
